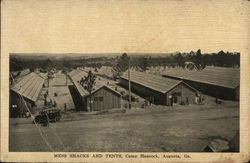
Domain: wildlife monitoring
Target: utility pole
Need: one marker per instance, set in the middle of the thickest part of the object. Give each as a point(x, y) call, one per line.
point(181, 92)
point(48, 78)
point(66, 78)
point(129, 84)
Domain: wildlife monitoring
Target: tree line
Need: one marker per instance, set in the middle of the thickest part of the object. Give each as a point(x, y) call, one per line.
point(120, 63)
point(220, 59)
point(192, 60)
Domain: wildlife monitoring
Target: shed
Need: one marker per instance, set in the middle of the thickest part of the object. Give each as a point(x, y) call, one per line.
point(102, 98)
point(25, 93)
point(159, 90)
point(218, 82)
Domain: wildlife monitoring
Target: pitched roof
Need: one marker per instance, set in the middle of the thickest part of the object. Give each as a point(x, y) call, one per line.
point(43, 75)
point(24, 72)
point(105, 70)
point(105, 86)
point(29, 86)
point(77, 75)
point(154, 82)
point(220, 76)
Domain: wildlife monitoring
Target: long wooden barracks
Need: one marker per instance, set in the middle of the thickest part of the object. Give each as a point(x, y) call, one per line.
point(25, 94)
point(158, 89)
point(220, 82)
point(102, 98)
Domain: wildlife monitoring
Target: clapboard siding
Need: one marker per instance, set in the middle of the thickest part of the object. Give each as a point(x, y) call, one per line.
point(159, 98)
point(187, 95)
point(104, 99)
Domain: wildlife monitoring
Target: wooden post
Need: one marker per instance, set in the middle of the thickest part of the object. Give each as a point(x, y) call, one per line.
point(121, 106)
point(66, 79)
point(48, 78)
point(129, 84)
point(181, 91)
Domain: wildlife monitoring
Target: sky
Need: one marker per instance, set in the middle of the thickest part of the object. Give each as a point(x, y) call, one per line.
point(142, 26)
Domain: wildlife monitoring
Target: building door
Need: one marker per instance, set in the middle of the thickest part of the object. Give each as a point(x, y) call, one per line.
point(101, 103)
point(98, 103)
point(175, 98)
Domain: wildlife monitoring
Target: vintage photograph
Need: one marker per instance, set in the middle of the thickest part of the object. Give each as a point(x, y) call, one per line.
point(169, 102)
point(125, 81)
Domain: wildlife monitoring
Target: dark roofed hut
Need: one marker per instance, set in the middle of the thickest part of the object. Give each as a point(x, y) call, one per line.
point(25, 94)
point(159, 89)
point(102, 98)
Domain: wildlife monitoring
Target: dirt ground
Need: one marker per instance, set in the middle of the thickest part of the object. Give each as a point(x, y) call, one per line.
point(155, 129)
point(57, 85)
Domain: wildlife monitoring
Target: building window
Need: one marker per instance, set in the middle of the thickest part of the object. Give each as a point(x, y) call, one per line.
point(177, 94)
point(100, 98)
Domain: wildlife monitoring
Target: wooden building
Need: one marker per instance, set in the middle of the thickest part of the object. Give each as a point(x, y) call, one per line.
point(159, 90)
point(24, 94)
point(102, 98)
point(218, 82)
point(16, 75)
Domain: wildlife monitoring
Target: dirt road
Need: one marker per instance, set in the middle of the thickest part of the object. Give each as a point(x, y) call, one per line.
point(139, 130)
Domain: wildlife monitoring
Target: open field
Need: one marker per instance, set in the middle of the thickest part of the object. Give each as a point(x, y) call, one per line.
point(156, 129)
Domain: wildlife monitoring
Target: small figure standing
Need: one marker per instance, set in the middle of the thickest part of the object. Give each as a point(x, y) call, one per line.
point(27, 114)
point(65, 107)
point(196, 100)
point(146, 103)
point(171, 100)
point(203, 99)
point(187, 102)
point(55, 104)
point(46, 121)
